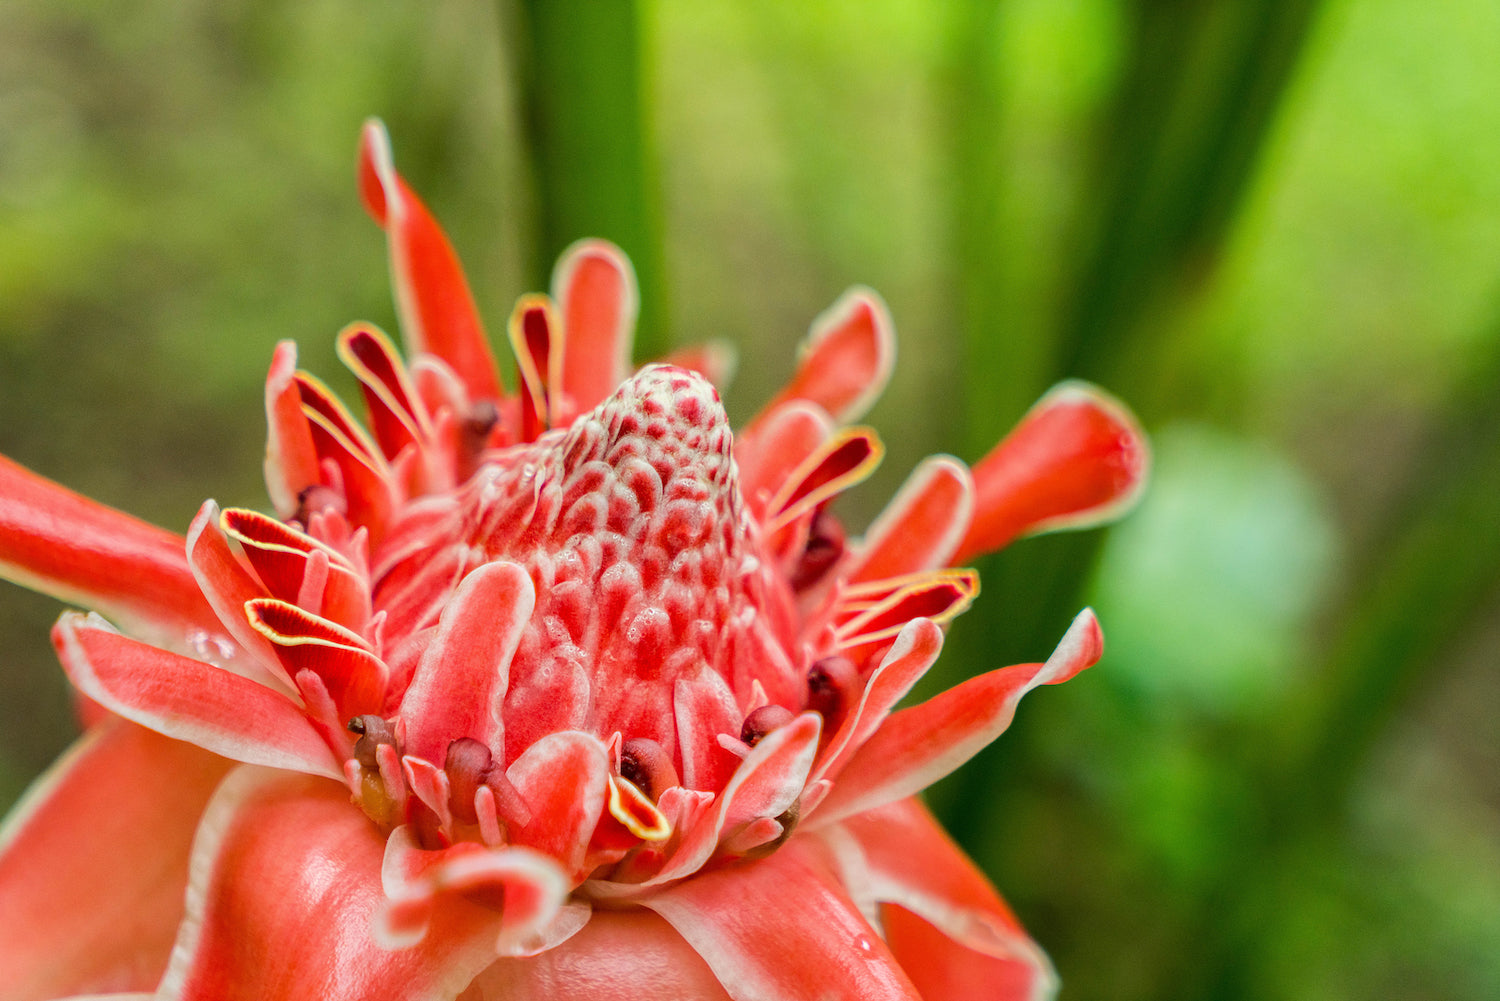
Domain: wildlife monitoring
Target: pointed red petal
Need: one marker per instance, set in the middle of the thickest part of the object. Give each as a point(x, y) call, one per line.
point(284, 889)
point(54, 541)
point(953, 934)
point(1078, 458)
point(767, 783)
point(915, 650)
point(618, 956)
point(397, 415)
point(847, 357)
point(188, 699)
point(536, 338)
point(595, 289)
point(847, 457)
point(279, 554)
point(354, 677)
point(917, 746)
point(227, 586)
point(922, 525)
point(291, 460)
point(783, 929)
point(778, 443)
point(93, 863)
point(432, 296)
point(460, 684)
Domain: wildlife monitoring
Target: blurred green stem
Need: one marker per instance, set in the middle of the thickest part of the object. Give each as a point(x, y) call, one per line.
point(1201, 85)
point(582, 95)
point(1436, 570)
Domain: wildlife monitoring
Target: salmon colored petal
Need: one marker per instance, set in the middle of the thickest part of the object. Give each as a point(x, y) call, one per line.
point(1077, 459)
point(953, 927)
point(564, 780)
point(915, 650)
point(618, 956)
point(765, 786)
point(283, 558)
point(595, 289)
point(917, 746)
point(188, 699)
point(779, 443)
point(432, 296)
point(54, 541)
point(351, 674)
point(847, 358)
point(284, 888)
point(93, 863)
point(922, 525)
point(291, 465)
point(527, 889)
point(783, 928)
point(227, 586)
point(460, 684)
point(943, 970)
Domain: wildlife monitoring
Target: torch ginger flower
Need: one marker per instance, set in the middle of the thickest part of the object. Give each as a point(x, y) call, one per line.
point(564, 691)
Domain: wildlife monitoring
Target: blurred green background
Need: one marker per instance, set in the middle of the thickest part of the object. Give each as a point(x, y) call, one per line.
point(1274, 228)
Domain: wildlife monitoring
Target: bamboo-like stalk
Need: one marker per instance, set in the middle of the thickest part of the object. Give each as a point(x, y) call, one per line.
point(580, 83)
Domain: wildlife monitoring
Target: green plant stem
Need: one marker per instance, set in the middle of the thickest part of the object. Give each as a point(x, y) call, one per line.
point(578, 67)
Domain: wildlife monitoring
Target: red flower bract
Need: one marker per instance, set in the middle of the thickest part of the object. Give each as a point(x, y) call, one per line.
point(566, 691)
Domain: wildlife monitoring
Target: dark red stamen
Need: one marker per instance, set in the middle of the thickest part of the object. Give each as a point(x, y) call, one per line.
point(374, 731)
point(468, 763)
point(647, 764)
point(762, 721)
point(825, 545)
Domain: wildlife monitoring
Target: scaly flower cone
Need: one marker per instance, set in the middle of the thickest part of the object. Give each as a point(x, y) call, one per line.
point(561, 692)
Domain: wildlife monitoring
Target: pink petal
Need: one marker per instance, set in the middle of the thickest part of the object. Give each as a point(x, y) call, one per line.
point(291, 460)
point(227, 586)
point(1078, 458)
point(847, 357)
point(766, 785)
point(917, 746)
point(618, 956)
point(922, 525)
point(595, 289)
point(284, 888)
point(775, 445)
point(188, 699)
point(943, 970)
point(432, 296)
point(915, 650)
point(953, 932)
point(563, 778)
point(460, 684)
point(93, 863)
point(526, 888)
point(783, 929)
point(54, 541)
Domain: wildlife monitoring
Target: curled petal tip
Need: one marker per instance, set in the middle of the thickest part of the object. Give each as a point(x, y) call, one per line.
point(1081, 647)
point(376, 168)
point(1077, 459)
